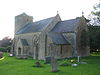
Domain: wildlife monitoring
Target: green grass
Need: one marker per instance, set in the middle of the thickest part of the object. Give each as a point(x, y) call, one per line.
point(13, 66)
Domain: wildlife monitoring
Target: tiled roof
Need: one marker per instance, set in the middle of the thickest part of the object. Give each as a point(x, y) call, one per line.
point(57, 38)
point(35, 26)
point(66, 26)
point(62, 26)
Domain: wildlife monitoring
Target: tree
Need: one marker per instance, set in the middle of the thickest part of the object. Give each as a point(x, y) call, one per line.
point(6, 43)
point(94, 27)
point(96, 14)
point(94, 35)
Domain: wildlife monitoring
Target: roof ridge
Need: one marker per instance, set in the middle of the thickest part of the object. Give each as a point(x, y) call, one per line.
point(43, 19)
point(69, 20)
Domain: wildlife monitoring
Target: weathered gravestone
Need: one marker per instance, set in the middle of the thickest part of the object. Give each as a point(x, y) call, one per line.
point(47, 60)
point(37, 64)
point(1, 54)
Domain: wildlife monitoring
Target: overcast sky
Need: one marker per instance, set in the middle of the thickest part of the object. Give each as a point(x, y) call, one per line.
point(40, 9)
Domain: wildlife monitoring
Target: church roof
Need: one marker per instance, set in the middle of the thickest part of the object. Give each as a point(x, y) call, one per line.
point(62, 26)
point(35, 26)
point(66, 26)
point(57, 38)
point(24, 42)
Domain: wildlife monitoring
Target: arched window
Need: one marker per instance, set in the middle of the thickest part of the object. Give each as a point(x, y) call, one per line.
point(19, 51)
point(35, 40)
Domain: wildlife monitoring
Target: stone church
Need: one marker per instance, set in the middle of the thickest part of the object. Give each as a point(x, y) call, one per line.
point(38, 39)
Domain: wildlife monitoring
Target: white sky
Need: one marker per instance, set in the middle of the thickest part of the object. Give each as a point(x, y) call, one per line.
point(40, 9)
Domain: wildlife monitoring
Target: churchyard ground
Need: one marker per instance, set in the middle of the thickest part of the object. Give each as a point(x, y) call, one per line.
point(14, 66)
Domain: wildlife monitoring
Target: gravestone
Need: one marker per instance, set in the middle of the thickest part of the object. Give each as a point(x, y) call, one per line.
point(1, 54)
point(78, 59)
point(47, 60)
point(37, 64)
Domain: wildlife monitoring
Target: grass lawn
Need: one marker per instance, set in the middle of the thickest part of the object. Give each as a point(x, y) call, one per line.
point(13, 66)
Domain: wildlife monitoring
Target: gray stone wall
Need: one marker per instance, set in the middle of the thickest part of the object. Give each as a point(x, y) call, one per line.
point(81, 50)
point(29, 37)
point(67, 51)
point(71, 38)
point(61, 51)
point(43, 39)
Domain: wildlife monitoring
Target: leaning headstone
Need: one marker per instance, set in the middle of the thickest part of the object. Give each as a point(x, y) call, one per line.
point(1, 54)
